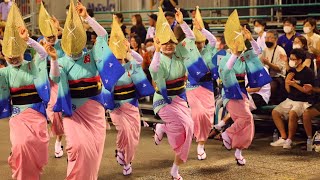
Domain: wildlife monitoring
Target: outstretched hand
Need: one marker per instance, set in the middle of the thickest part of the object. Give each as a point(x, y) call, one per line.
point(179, 16)
point(82, 10)
point(157, 44)
point(23, 33)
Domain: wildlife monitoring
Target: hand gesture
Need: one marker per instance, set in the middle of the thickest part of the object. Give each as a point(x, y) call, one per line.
point(247, 34)
point(23, 33)
point(179, 16)
point(307, 88)
point(265, 60)
point(197, 24)
point(283, 57)
point(82, 10)
point(289, 78)
point(51, 51)
point(157, 44)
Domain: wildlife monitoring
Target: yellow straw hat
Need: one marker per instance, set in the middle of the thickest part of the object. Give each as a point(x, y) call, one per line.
point(13, 45)
point(46, 24)
point(199, 36)
point(163, 29)
point(117, 40)
point(233, 32)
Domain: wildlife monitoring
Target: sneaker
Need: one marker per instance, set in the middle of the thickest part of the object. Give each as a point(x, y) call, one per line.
point(158, 134)
point(316, 141)
point(287, 144)
point(127, 170)
point(278, 143)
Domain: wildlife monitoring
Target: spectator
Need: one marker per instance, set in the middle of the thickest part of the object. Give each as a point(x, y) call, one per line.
point(312, 34)
point(93, 37)
point(152, 23)
point(301, 42)
point(297, 102)
point(147, 57)
point(286, 40)
point(259, 28)
point(193, 15)
point(274, 58)
point(169, 5)
point(135, 43)
point(311, 112)
point(221, 43)
point(171, 18)
point(4, 11)
point(120, 21)
point(138, 27)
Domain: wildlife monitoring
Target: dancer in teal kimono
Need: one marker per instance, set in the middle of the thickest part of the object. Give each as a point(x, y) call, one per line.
point(233, 69)
point(24, 96)
point(81, 93)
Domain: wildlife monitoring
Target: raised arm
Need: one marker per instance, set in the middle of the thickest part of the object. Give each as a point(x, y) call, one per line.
point(184, 26)
point(233, 57)
point(211, 38)
point(98, 29)
point(247, 34)
point(155, 63)
point(54, 66)
point(23, 33)
point(133, 53)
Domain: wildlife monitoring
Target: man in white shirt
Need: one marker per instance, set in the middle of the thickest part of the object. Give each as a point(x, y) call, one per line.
point(274, 58)
point(152, 28)
point(259, 27)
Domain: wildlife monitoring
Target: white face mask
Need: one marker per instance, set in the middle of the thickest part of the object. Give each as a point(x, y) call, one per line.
point(287, 29)
point(292, 64)
point(296, 46)
point(217, 46)
point(257, 29)
point(306, 30)
point(151, 49)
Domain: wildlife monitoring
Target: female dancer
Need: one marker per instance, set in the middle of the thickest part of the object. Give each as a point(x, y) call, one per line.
point(25, 91)
point(132, 85)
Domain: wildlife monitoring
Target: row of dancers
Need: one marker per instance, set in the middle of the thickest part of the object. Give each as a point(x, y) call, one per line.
point(81, 85)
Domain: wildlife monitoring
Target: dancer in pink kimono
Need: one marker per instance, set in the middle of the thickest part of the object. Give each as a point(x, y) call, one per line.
point(24, 93)
point(81, 93)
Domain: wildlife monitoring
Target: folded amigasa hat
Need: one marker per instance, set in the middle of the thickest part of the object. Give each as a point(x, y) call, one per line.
point(163, 29)
point(46, 24)
point(199, 36)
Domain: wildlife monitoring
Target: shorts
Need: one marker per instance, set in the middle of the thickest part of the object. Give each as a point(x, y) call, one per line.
point(289, 105)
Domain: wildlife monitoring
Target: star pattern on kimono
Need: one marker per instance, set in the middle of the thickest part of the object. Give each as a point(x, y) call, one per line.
point(110, 65)
point(5, 110)
point(144, 85)
point(106, 81)
point(198, 73)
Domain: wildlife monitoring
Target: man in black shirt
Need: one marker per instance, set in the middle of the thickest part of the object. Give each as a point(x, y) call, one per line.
point(297, 102)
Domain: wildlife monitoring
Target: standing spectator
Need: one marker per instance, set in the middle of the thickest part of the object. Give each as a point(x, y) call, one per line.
point(297, 102)
point(312, 35)
point(170, 16)
point(119, 17)
point(193, 15)
point(138, 27)
point(168, 5)
point(272, 57)
point(135, 43)
point(152, 29)
point(4, 11)
point(286, 40)
point(259, 28)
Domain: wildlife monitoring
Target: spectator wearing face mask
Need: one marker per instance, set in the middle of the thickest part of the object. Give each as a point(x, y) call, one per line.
point(297, 102)
point(312, 34)
point(300, 42)
point(259, 28)
point(286, 40)
point(274, 58)
point(138, 27)
point(152, 28)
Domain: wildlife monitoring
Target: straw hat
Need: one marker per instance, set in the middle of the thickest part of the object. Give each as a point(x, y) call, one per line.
point(13, 45)
point(163, 29)
point(74, 36)
point(46, 24)
point(117, 40)
point(233, 32)
point(199, 36)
